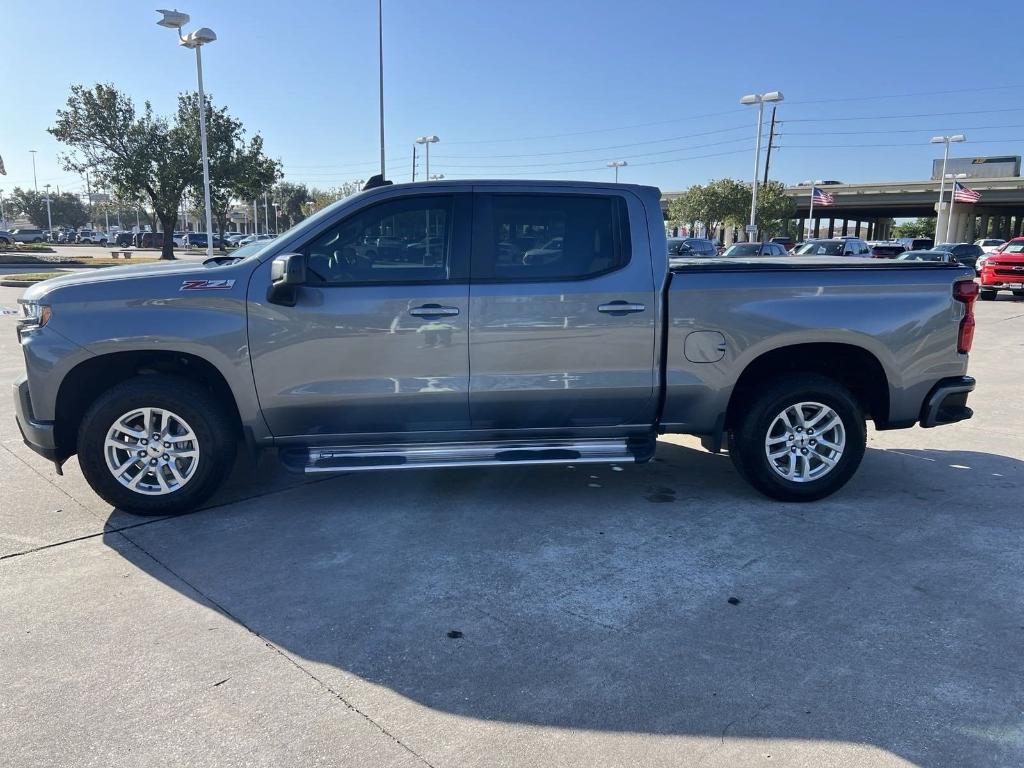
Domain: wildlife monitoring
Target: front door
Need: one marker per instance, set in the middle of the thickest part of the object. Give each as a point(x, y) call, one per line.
point(377, 342)
point(563, 313)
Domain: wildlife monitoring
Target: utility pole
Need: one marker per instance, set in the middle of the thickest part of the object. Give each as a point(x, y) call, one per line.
point(771, 141)
point(414, 162)
point(380, 79)
point(35, 181)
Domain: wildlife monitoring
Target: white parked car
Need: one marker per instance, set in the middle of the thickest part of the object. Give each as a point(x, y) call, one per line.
point(989, 244)
point(91, 236)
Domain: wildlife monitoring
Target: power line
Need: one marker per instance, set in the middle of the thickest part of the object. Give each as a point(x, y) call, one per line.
point(596, 130)
point(902, 144)
point(904, 130)
point(878, 97)
point(895, 117)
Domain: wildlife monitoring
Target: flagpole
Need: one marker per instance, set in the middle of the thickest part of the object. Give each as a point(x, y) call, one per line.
point(952, 199)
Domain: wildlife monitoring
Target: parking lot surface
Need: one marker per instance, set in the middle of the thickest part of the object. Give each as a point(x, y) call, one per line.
point(656, 615)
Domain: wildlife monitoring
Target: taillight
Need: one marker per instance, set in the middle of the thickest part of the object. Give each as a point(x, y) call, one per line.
point(966, 291)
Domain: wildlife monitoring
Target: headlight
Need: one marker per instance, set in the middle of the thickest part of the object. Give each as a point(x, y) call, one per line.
point(34, 316)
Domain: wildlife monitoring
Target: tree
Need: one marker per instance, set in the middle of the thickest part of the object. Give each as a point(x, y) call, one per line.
point(774, 208)
point(712, 204)
point(128, 150)
point(238, 168)
point(291, 199)
point(66, 209)
point(134, 152)
point(917, 228)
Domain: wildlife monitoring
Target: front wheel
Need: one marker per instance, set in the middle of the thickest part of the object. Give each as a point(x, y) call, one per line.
point(801, 439)
point(987, 295)
point(156, 445)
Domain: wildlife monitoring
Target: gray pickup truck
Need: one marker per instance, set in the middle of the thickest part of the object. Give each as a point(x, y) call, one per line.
point(484, 323)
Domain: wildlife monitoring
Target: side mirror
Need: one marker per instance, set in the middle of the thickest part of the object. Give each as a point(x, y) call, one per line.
point(287, 273)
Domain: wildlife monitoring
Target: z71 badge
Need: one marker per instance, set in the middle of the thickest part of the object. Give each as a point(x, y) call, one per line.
point(206, 285)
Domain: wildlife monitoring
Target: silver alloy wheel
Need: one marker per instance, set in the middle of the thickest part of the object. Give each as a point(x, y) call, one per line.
point(805, 442)
point(151, 451)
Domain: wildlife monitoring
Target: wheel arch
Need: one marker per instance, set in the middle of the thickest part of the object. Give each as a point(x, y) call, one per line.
point(851, 365)
point(89, 379)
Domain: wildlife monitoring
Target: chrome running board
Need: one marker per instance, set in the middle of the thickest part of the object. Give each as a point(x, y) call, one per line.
point(362, 458)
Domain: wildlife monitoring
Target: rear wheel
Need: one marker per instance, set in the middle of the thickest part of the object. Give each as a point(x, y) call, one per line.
point(800, 440)
point(1018, 293)
point(156, 445)
point(987, 295)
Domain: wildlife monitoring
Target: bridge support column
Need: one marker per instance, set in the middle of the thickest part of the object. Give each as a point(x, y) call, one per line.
point(816, 224)
point(962, 221)
point(941, 220)
point(983, 225)
point(972, 221)
point(871, 230)
point(831, 227)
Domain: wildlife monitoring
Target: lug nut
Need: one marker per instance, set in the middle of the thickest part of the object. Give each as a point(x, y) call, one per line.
point(814, 442)
point(166, 457)
point(144, 441)
point(810, 431)
point(803, 451)
point(141, 453)
point(167, 445)
point(152, 462)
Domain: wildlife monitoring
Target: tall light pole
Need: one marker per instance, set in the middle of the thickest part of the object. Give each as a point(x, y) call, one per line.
point(49, 218)
point(952, 199)
point(196, 40)
point(947, 140)
point(760, 99)
point(427, 140)
point(35, 181)
point(437, 177)
point(380, 79)
point(616, 164)
point(277, 228)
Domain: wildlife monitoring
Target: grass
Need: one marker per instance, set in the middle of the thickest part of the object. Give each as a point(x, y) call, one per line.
point(26, 258)
point(32, 277)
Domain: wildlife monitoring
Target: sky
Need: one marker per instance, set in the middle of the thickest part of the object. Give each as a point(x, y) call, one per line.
point(540, 88)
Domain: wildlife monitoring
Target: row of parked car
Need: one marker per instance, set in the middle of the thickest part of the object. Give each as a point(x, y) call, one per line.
point(905, 249)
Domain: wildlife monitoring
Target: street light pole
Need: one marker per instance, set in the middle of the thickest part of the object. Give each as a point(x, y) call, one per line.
point(959, 137)
point(277, 228)
point(380, 78)
point(49, 218)
point(616, 164)
point(427, 140)
point(35, 181)
point(759, 99)
point(197, 39)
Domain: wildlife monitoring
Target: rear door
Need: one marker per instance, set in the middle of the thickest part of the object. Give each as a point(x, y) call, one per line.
point(561, 311)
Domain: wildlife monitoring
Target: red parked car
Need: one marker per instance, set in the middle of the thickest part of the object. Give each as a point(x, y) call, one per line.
point(1003, 270)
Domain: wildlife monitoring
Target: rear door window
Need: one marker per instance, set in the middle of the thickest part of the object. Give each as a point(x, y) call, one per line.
point(549, 237)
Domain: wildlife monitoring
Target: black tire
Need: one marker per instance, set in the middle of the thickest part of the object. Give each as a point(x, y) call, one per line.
point(987, 295)
point(215, 434)
point(1018, 294)
point(747, 437)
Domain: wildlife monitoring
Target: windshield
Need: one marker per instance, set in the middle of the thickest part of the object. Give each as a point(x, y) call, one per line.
point(922, 256)
point(821, 248)
point(743, 249)
point(1013, 248)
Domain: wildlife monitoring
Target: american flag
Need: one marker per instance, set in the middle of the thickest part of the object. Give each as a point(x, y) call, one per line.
point(963, 194)
point(821, 197)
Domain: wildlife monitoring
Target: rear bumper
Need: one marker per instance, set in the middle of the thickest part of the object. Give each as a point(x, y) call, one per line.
point(38, 435)
point(947, 402)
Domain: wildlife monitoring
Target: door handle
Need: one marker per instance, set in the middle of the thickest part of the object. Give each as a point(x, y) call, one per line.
point(621, 308)
point(434, 310)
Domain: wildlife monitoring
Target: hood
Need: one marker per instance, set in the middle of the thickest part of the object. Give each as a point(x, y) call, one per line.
point(113, 274)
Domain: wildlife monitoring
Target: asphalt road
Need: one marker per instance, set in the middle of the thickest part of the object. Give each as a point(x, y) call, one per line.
point(653, 615)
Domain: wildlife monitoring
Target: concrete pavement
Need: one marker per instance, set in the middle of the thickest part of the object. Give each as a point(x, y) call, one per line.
point(661, 614)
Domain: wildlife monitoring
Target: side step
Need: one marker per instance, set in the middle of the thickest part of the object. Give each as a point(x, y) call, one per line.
point(361, 458)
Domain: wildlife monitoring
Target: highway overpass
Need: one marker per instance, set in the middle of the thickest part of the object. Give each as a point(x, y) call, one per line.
point(871, 208)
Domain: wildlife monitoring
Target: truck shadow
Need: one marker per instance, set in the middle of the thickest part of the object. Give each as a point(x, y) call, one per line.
point(661, 599)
